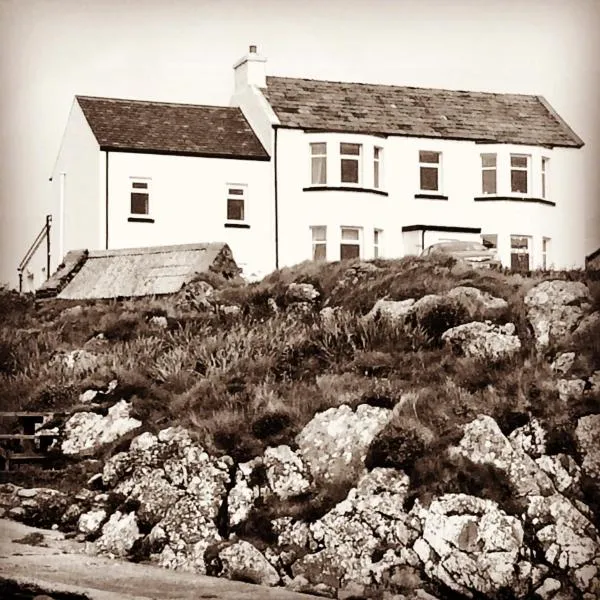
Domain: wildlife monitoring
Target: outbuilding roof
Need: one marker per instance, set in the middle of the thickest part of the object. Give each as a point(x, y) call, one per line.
point(169, 128)
point(418, 112)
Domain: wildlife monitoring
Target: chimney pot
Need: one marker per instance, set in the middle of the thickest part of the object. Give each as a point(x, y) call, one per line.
point(252, 49)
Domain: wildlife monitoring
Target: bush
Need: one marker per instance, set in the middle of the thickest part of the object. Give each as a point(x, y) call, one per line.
point(442, 315)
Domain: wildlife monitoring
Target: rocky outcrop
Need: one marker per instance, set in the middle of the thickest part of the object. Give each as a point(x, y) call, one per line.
point(555, 309)
point(563, 363)
point(42, 507)
point(119, 535)
point(334, 443)
point(477, 302)
point(483, 340)
point(587, 436)
point(395, 310)
point(301, 292)
point(86, 431)
point(242, 561)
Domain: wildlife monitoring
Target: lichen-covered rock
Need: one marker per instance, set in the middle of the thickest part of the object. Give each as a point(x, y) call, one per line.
point(76, 361)
point(484, 443)
point(530, 438)
point(119, 534)
point(483, 340)
point(587, 436)
point(334, 443)
point(301, 292)
point(39, 507)
point(562, 470)
point(90, 522)
point(563, 363)
point(477, 302)
point(242, 561)
point(570, 388)
point(555, 308)
point(395, 310)
point(88, 430)
point(587, 325)
point(469, 544)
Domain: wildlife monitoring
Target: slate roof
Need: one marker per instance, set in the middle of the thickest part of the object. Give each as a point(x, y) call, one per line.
point(417, 112)
point(139, 271)
point(162, 127)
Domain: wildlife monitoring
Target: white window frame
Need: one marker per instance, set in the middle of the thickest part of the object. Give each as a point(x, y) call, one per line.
point(377, 167)
point(351, 242)
point(377, 242)
point(319, 157)
point(527, 170)
point(493, 168)
point(315, 241)
point(544, 177)
point(134, 183)
point(243, 197)
point(352, 157)
point(431, 165)
point(546, 251)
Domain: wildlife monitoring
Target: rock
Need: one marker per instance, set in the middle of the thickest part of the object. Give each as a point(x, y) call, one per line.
point(198, 296)
point(286, 473)
point(395, 310)
point(548, 588)
point(77, 361)
point(587, 325)
point(88, 430)
point(555, 309)
point(301, 292)
point(301, 585)
point(531, 439)
point(587, 437)
point(334, 443)
point(562, 470)
point(329, 315)
point(563, 363)
point(159, 321)
point(570, 388)
point(119, 534)
point(27, 493)
point(89, 523)
point(484, 443)
point(72, 313)
point(231, 309)
point(476, 546)
point(483, 340)
point(243, 562)
point(88, 396)
point(479, 304)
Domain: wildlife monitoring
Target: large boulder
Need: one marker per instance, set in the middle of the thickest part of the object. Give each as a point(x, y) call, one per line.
point(555, 309)
point(483, 340)
point(86, 431)
point(478, 303)
point(587, 436)
point(395, 310)
point(242, 561)
point(334, 443)
point(119, 534)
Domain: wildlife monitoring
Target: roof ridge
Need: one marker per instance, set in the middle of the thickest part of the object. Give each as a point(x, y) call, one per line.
point(155, 102)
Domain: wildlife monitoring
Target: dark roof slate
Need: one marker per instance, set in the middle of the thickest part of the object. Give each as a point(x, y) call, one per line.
point(417, 112)
point(161, 127)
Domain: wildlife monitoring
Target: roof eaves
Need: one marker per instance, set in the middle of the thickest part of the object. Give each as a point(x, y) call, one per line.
point(578, 141)
point(161, 152)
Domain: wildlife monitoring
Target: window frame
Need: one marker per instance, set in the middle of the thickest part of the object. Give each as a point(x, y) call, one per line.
point(358, 158)
point(318, 242)
point(313, 157)
point(430, 165)
point(546, 250)
point(243, 197)
point(134, 183)
point(486, 168)
point(526, 169)
point(377, 242)
point(528, 250)
point(544, 177)
point(377, 167)
point(350, 242)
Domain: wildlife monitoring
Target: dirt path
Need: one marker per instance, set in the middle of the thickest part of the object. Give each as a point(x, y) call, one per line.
point(60, 569)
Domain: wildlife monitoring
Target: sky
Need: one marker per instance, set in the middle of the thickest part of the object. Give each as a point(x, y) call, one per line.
point(184, 50)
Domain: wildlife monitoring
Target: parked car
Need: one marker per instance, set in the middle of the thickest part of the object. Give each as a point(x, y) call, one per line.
point(473, 253)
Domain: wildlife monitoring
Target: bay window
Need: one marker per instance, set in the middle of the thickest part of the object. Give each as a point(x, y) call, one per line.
point(350, 167)
point(318, 153)
point(519, 173)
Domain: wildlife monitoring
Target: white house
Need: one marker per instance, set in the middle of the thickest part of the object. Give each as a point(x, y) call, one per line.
point(299, 169)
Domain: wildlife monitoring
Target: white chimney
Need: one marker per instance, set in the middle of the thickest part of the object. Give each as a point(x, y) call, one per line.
point(250, 70)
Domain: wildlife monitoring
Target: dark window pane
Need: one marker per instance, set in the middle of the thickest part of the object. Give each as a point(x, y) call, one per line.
point(490, 241)
point(139, 203)
point(518, 181)
point(519, 261)
point(429, 157)
point(518, 161)
point(348, 251)
point(488, 181)
point(319, 251)
point(139, 185)
point(429, 178)
point(319, 170)
point(376, 152)
point(349, 171)
point(488, 160)
point(318, 148)
point(236, 192)
point(353, 149)
point(235, 209)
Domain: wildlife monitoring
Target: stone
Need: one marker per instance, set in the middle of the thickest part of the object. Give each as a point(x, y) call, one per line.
point(301, 292)
point(587, 325)
point(570, 388)
point(395, 310)
point(231, 309)
point(563, 363)
point(483, 340)
point(287, 475)
point(555, 308)
point(530, 438)
point(587, 438)
point(242, 561)
point(562, 470)
point(478, 303)
point(119, 534)
point(159, 321)
point(334, 443)
point(76, 361)
point(88, 430)
point(72, 313)
point(90, 523)
point(548, 588)
point(88, 396)
point(27, 493)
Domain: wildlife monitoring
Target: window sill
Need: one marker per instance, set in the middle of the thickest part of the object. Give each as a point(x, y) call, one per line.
point(430, 196)
point(140, 220)
point(343, 188)
point(491, 198)
point(237, 225)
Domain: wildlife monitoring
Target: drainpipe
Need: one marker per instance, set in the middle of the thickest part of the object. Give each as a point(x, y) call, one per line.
point(106, 199)
point(48, 255)
point(61, 217)
point(276, 199)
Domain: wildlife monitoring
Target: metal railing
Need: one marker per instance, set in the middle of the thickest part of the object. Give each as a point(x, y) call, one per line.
point(44, 233)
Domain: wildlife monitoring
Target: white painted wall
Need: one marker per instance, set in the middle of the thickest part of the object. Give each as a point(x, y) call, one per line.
point(188, 204)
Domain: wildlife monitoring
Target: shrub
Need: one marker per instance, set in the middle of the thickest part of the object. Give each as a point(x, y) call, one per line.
point(439, 317)
point(122, 327)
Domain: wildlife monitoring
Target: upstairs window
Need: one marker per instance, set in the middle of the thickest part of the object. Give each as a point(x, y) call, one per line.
point(545, 162)
point(377, 235)
point(140, 196)
point(319, 243)
point(519, 173)
point(429, 166)
point(377, 163)
point(318, 157)
point(350, 155)
point(236, 197)
point(350, 244)
point(488, 173)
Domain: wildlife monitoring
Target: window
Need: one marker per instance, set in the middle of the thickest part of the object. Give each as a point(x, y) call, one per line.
point(377, 163)
point(319, 243)
point(545, 253)
point(520, 259)
point(350, 244)
point(350, 162)
point(140, 197)
point(490, 241)
point(519, 173)
point(429, 163)
point(488, 173)
point(545, 177)
point(235, 203)
point(318, 153)
point(377, 235)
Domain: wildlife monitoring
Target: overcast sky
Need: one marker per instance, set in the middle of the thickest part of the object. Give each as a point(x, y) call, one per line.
point(183, 50)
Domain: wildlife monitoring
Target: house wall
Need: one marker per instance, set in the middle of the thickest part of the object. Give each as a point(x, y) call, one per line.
point(80, 160)
point(188, 204)
point(301, 206)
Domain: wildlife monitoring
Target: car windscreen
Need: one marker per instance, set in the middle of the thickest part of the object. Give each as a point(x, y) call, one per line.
point(461, 247)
